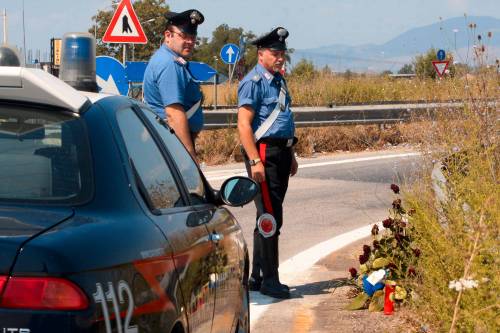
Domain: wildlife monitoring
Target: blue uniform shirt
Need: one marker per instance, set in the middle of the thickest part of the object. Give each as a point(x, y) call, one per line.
point(260, 90)
point(167, 81)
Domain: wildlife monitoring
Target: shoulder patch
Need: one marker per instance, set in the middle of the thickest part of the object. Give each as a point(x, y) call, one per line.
point(256, 78)
point(180, 61)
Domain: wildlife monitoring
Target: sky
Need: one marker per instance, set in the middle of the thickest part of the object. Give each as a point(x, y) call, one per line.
point(311, 23)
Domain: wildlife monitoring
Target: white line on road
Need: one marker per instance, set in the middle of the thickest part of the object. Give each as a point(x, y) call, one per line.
point(292, 269)
point(224, 174)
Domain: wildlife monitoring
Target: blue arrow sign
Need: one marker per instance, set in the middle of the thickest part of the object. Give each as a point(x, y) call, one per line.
point(201, 71)
point(110, 75)
point(230, 53)
point(134, 70)
point(441, 55)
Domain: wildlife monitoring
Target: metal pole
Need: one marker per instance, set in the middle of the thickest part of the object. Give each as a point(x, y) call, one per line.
point(5, 26)
point(124, 53)
point(216, 76)
point(24, 38)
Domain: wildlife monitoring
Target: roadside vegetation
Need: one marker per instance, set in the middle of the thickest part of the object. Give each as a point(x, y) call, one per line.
point(457, 216)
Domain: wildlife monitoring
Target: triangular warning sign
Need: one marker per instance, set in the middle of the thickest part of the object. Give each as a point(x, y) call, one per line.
point(124, 26)
point(440, 66)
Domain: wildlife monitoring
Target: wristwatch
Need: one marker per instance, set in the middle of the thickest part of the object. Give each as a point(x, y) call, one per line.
point(254, 161)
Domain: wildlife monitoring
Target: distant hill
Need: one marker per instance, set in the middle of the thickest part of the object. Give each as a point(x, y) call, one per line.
point(450, 35)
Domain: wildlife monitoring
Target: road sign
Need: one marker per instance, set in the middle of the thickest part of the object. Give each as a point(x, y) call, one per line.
point(440, 66)
point(230, 53)
point(134, 70)
point(55, 51)
point(201, 71)
point(124, 26)
point(441, 55)
point(110, 75)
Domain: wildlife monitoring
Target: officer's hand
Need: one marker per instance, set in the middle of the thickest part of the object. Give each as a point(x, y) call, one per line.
point(258, 173)
point(295, 166)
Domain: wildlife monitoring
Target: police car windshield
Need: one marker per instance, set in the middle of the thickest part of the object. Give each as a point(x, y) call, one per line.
point(44, 156)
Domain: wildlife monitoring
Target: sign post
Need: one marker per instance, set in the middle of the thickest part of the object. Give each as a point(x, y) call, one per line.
point(230, 54)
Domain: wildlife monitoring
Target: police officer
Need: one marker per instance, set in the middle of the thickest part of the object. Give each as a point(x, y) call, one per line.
point(266, 128)
point(169, 88)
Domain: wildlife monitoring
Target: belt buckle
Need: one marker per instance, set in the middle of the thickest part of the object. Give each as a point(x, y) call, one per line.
point(289, 142)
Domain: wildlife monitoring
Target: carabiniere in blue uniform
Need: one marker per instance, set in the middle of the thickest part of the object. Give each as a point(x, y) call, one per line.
point(273, 128)
point(167, 79)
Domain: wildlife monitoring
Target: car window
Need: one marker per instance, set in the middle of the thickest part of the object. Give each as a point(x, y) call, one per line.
point(44, 154)
point(148, 161)
point(187, 167)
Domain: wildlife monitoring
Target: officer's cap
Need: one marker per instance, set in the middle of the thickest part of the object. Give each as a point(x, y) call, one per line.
point(9, 56)
point(274, 40)
point(187, 21)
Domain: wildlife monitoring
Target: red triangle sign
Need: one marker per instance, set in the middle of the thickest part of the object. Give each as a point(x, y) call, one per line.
point(440, 66)
point(125, 26)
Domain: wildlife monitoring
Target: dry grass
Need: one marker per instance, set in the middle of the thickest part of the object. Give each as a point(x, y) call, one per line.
point(459, 234)
point(221, 146)
point(324, 90)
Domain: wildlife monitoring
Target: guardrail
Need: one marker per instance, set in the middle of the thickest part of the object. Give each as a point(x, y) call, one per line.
point(341, 115)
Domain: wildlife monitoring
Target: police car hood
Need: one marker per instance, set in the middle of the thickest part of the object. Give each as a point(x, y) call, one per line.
point(18, 225)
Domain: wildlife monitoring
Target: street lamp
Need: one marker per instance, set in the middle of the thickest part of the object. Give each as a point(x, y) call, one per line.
point(455, 33)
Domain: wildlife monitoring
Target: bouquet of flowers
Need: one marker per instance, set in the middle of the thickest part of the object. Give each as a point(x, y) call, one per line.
point(391, 258)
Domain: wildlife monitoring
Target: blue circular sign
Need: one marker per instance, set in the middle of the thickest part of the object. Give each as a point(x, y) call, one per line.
point(230, 53)
point(441, 55)
point(111, 77)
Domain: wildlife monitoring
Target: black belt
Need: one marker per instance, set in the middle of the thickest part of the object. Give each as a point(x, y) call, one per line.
point(279, 142)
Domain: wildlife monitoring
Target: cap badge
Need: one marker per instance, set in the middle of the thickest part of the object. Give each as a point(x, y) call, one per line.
point(195, 17)
point(282, 33)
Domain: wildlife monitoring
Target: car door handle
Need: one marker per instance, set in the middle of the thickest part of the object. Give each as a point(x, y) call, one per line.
point(215, 237)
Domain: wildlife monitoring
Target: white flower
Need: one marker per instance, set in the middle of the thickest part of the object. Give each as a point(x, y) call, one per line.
point(463, 284)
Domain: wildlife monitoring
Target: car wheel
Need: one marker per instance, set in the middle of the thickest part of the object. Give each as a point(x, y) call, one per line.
point(244, 317)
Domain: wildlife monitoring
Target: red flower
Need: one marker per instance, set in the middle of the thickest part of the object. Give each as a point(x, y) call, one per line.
point(396, 204)
point(411, 271)
point(363, 258)
point(376, 244)
point(367, 250)
point(395, 188)
point(416, 252)
point(387, 223)
point(392, 266)
point(375, 230)
point(353, 272)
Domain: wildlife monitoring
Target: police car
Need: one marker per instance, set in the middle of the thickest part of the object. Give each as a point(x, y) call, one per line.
point(106, 222)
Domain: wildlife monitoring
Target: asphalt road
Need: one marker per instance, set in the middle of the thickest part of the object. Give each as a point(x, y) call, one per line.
point(330, 195)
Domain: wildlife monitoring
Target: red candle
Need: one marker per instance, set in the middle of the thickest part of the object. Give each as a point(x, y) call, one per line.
point(390, 288)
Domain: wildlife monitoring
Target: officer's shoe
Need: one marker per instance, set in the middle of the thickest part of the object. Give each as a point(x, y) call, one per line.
point(254, 284)
point(274, 289)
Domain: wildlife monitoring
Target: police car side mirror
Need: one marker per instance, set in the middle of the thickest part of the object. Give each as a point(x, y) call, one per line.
point(238, 191)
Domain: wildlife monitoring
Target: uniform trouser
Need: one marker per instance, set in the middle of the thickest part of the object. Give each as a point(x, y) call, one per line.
point(277, 161)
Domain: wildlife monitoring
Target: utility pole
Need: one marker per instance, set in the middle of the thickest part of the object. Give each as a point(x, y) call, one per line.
point(24, 38)
point(4, 26)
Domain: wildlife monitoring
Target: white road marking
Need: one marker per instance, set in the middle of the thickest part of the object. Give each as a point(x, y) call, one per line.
point(224, 174)
point(292, 269)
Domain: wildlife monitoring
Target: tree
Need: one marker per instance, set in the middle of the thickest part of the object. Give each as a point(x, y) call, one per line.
point(425, 69)
point(406, 69)
point(304, 69)
point(151, 14)
point(386, 73)
point(208, 50)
